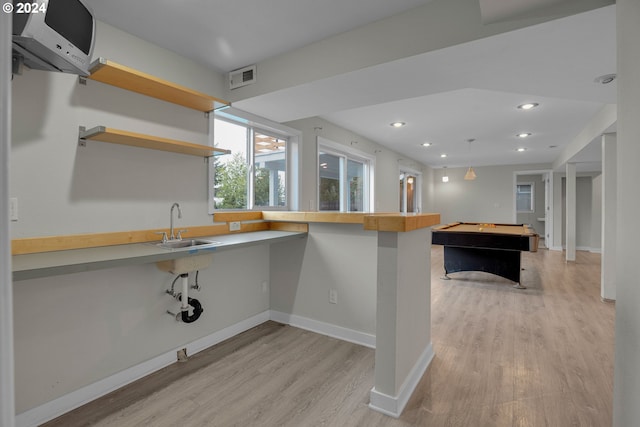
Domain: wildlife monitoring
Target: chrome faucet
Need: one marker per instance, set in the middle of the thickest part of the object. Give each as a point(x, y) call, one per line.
point(175, 205)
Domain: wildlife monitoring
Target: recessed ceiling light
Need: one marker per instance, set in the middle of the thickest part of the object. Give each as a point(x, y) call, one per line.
point(606, 79)
point(520, 150)
point(426, 144)
point(523, 134)
point(528, 106)
point(443, 155)
point(398, 124)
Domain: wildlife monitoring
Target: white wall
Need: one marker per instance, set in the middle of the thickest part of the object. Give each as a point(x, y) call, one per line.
point(334, 256)
point(387, 192)
point(588, 213)
point(76, 329)
point(63, 188)
point(626, 394)
point(488, 198)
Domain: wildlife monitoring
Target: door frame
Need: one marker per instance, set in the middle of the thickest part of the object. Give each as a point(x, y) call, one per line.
point(547, 178)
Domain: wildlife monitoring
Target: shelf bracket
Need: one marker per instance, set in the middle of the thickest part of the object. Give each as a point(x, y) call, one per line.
point(81, 141)
point(83, 134)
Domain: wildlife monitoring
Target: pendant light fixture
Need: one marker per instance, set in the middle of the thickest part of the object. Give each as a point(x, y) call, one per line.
point(471, 174)
point(445, 177)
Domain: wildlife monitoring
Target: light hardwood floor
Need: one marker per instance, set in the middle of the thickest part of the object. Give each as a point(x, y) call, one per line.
point(504, 357)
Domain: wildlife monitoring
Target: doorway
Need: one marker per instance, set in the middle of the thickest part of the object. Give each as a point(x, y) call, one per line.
point(532, 202)
point(410, 201)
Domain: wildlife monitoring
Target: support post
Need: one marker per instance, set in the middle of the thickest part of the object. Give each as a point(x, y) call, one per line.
point(570, 212)
point(626, 381)
point(403, 320)
point(7, 393)
point(609, 213)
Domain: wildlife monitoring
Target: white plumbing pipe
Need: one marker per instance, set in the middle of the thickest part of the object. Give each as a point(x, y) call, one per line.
point(185, 292)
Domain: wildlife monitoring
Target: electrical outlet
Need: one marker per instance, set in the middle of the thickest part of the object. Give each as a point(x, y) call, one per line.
point(234, 226)
point(333, 296)
point(182, 355)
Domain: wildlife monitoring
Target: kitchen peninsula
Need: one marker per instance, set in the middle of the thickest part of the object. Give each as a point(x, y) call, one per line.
point(359, 277)
point(376, 267)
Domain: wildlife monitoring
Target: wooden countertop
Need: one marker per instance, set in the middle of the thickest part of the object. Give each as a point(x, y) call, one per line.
point(371, 221)
point(250, 221)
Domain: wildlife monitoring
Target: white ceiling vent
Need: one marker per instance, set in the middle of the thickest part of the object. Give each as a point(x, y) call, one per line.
point(242, 77)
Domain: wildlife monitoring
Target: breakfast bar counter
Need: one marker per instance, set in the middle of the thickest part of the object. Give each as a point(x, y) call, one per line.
point(375, 271)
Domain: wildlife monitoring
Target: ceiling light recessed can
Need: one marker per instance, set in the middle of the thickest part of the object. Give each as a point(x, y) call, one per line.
point(443, 155)
point(520, 150)
point(426, 144)
point(523, 134)
point(606, 79)
point(398, 124)
point(528, 106)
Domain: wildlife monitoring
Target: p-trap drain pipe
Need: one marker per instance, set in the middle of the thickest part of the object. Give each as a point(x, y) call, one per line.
point(186, 302)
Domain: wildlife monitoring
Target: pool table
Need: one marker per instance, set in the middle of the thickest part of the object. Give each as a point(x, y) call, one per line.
point(492, 248)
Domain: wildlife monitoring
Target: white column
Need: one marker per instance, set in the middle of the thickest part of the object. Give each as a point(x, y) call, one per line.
point(626, 384)
point(609, 202)
point(7, 398)
point(570, 225)
point(403, 318)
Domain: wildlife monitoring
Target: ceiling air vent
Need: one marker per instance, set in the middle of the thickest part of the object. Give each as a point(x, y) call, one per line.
point(242, 77)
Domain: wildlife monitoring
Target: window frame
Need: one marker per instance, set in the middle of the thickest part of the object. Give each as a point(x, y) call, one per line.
point(348, 153)
point(265, 126)
point(532, 199)
point(406, 171)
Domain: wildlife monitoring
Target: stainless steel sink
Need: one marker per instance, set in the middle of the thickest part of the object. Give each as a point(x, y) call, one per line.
point(186, 243)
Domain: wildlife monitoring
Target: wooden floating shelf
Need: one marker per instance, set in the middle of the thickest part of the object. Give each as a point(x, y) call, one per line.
point(116, 136)
point(109, 72)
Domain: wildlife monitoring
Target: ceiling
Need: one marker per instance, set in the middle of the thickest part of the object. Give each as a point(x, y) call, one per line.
point(445, 97)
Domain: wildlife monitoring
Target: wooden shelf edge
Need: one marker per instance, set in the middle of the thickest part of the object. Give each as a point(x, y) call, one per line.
point(31, 245)
point(109, 72)
point(117, 136)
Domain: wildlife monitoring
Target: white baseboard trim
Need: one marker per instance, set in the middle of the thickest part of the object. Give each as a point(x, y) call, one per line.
point(578, 248)
point(339, 332)
point(55, 408)
point(394, 405)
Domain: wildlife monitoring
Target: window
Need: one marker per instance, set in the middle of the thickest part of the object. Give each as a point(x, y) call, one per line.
point(344, 178)
point(255, 174)
point(270, 170)
point(525, 197)
point(410, 191)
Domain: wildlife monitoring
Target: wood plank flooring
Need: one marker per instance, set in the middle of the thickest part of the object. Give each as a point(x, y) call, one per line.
point(504, 357)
